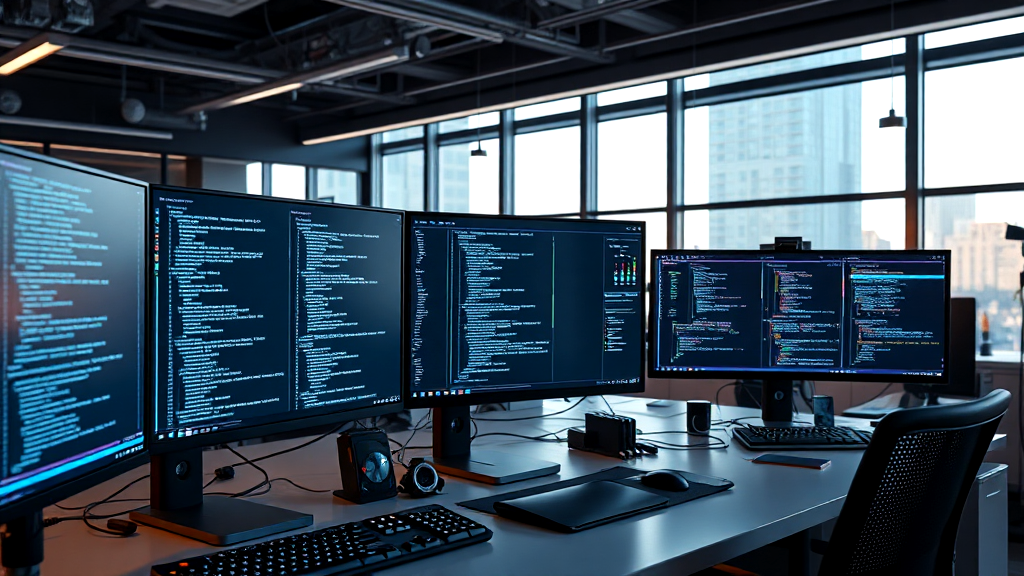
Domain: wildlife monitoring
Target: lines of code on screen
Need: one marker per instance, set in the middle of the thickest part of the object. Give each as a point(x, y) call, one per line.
point(73, 275)
point(855, 313)
point(266, 309)
point(500, 305)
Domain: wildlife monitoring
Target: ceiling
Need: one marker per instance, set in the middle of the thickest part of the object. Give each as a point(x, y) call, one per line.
point(184, 56)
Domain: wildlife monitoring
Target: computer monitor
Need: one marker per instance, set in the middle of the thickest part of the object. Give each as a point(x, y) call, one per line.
point(504, 309)
point(800, 315)
point(269, 316)
point(73, 282)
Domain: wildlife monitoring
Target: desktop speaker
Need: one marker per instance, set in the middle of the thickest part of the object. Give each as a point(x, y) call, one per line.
point(367, 474)
point(698, 417)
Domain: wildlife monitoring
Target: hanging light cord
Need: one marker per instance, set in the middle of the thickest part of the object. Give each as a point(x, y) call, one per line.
point(892, 55)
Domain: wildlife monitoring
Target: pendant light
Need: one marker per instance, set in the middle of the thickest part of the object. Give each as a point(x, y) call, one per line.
point(892, 120)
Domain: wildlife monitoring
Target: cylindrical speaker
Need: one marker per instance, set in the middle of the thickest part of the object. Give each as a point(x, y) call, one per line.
point(698, 416)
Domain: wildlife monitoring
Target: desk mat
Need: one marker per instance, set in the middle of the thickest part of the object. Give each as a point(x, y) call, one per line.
point(700, 486)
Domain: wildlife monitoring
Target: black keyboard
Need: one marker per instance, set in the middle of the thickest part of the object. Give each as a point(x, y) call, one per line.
point(353, 548)
point(802, 438)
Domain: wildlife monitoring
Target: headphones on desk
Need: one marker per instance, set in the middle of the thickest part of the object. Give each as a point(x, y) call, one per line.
point(421, 480)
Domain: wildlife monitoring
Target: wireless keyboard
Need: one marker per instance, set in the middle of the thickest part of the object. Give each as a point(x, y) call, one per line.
point(353, 548)
point(802, 438)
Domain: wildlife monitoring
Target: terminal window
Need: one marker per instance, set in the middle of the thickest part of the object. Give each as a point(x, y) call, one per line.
point(504, 306)
point(850, 314)
point(269, 310)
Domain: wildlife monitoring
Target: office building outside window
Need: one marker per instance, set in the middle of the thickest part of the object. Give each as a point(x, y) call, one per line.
point(402, 184)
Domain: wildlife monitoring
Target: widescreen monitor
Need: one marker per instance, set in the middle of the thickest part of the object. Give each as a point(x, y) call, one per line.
point(502, 309)
point(804, 315)
point(271, 315)
point(73, 281)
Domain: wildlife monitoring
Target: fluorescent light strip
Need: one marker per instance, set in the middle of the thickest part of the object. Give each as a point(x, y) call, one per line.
point(30, 52)
point(262, 94)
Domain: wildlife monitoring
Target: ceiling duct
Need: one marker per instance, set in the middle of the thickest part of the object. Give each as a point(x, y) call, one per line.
point(135, 112)
point(225, 8)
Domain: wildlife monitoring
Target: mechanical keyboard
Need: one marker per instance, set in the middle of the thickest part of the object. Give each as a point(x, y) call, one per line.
point(802, 438)
point(353, 548)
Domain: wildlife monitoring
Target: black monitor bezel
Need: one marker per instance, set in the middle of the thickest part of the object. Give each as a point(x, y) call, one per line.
point(497, 397)
point(654, 372)
point(39, 500)
point(297, 423)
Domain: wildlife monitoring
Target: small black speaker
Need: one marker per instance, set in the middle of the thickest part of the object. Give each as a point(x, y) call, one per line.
point(367, 474)
point(698, 416)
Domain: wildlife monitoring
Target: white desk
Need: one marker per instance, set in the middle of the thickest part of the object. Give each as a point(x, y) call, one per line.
point(767, 504)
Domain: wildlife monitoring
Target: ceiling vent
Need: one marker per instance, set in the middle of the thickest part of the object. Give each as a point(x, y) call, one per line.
point(225, 8)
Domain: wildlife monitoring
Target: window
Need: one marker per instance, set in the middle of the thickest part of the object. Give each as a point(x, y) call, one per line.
point(830, 134)
point(974, 33)
point(547, 172)
point(469, 122)
point(986, 266)
point(403, 181)
point(337, 186)
point(798, 64)
point(547, 108)
point(469, 184)
point(632, 93)
point(403, 134)
point(631, 163)
point(962, 152)
point(288, 181)
point(869, 225)
point(254, 178)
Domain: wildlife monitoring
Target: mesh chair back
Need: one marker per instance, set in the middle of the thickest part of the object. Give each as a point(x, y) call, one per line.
point(903, 509)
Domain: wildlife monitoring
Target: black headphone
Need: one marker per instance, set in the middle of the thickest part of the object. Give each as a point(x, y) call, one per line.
point(420, 480)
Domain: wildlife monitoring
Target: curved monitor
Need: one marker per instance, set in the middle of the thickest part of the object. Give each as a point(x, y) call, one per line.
point(73, 281)
point(503, 309)
point(271, 315)
point(813, 315)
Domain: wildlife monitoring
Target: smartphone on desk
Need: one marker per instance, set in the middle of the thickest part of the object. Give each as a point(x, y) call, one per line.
point(796, 461)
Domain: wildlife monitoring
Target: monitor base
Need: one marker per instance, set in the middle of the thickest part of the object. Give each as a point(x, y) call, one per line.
point(492, 467)
point(222, 521)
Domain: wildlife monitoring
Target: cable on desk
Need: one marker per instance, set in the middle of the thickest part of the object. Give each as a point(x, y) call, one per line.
point(243, 493)
point(608, 404)
point(423, 422)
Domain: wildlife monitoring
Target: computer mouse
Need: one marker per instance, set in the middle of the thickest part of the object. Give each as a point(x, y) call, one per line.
point(668, 480)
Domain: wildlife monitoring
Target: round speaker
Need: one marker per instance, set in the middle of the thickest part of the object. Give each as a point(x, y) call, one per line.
point(376, 467)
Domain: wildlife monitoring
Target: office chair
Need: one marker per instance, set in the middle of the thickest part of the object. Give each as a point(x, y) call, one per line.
point(903, 509)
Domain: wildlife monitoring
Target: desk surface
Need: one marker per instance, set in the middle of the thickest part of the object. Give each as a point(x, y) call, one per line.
point(767, 503)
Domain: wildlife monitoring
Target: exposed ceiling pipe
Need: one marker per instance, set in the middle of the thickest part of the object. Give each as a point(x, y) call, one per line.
point(110, 53)
point(538, 40)
point(596, 12)
point(97, 128)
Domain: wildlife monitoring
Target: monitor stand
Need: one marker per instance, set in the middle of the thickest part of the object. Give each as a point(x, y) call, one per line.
point(777, 403)
point(177, 505)
point(21, 545)
point(452, 455)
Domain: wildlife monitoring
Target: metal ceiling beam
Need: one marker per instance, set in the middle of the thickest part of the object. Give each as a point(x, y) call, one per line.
point(538, 40)
point(648, 23)
point(596, 12)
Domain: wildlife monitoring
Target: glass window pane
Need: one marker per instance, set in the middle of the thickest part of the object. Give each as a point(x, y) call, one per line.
point(288, 181)
point(962, 152)
point(798, 64)
point(254, 178)
point(974, 33)
point(657, 230)
point(403, 181)
point(337, 186)
point(631, 163)
point(986, 266)
point(403, 134)
point(469, 122)
point(632, 93)
point(469, 184)
point(547, 108)
point(143, 166)
point(869, 225)
point(547, 172)
point(818, 142)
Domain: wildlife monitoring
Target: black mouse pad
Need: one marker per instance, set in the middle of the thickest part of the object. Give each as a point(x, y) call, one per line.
point(580, 507)
point(700, 486)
